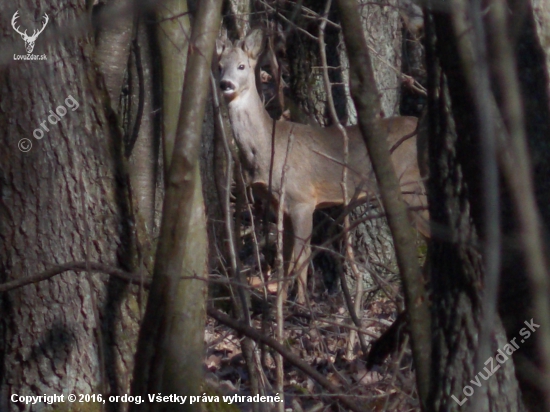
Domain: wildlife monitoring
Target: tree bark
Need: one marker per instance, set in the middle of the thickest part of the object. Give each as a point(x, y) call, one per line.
point(63, 200)
point(458, 279)
point(382, 28)
point(541, 14)
point(176, 311)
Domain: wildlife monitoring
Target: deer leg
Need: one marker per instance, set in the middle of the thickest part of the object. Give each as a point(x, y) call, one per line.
point(301, 219)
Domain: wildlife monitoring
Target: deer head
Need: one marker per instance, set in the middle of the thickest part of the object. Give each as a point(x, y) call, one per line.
point(29, 40)
point(237, 63)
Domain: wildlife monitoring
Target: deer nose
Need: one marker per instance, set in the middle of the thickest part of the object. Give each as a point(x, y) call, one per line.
point(227, 86)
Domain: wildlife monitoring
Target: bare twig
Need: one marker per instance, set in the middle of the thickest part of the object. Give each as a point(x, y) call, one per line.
point(403, 139)
point(229, 230)
point(355, 310)
point(281, 290)
point(75, 267)
point(248, 347)
point(366, 100)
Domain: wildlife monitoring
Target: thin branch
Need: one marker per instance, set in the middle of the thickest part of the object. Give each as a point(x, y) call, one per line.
point(308, 34)
point(365, 97)
point(229, 229)
point(281, 290)
point(403, 139)
point(354, 308)
point(75, 267)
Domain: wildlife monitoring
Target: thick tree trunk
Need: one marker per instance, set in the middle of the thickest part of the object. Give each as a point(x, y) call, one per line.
point(456, 195)
point(457, 274)
point(63, 200)
point(542, 19)
point(382, 27)
point(517, 296)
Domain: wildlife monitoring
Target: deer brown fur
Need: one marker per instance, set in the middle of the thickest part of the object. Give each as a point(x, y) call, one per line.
point(314, 173)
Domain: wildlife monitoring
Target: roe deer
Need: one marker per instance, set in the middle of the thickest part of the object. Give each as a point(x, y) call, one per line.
point(314, 175)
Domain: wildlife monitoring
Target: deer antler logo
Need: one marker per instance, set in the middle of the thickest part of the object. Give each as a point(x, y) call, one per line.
point(29, 40)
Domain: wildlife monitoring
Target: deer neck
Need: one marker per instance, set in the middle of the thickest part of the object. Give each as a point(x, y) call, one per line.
point(252, 127)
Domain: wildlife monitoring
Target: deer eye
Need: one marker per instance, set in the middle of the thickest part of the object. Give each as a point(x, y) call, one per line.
point(220, 68)
point(241, 67)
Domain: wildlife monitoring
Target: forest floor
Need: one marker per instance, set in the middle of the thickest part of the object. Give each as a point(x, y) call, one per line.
point(319, 336)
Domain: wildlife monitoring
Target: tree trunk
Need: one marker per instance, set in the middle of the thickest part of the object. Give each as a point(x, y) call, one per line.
point(382, 27)
point(455, 197)
point(171, 345)
point(64, 200)
point(542, 20)
point(383, 30)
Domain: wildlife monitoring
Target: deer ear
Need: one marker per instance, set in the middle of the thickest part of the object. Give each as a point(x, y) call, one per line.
point(220, 47)
point(253, 43)
point(221, 43)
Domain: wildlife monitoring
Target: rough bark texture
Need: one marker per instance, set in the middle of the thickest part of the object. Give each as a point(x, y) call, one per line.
point(542, 19)
point(65, 193)
point(516, 298)
point(382, 27)
point(239, 12)
point(455, 207)
point(306, 89)
point(457, 273)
